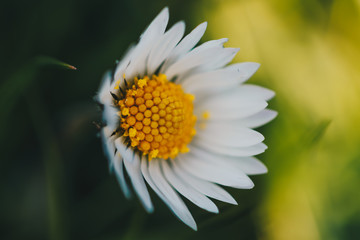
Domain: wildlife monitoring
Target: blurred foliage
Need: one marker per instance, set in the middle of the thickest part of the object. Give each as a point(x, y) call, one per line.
point(54, 178)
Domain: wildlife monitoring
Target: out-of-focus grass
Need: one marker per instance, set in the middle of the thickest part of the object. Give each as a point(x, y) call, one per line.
point(25, 83)
point(310, 54)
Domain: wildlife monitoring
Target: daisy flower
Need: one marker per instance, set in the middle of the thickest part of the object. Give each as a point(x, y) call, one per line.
point(179, 119)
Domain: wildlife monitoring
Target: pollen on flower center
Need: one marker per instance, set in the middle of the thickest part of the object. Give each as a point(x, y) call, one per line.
point(157, 117)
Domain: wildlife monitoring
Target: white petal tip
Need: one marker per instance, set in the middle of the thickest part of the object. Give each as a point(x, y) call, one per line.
point(271, 94)
point(164, 12)
point(190, 223)
point(149, 209)
point(245, 185)
point(127, 195)
point(212, 208)
point(164, 15)
point(255, 65)
point(216, 211)
point(204, 24)
point(194, 227)
point(231, 200)
point(271, 115)
point(250, 186)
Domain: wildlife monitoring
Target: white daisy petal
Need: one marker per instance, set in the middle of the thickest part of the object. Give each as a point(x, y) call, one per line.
point(179, 210)
point(225, 109)
point(185, 45)
point(119, 170)
point(212, 82)
point(205, 170)
point(136, 64)
point(230, 135)
point(133, 169)
point(218, 43)
point(103, 95)
point(232, 151)
point(192, 60)
point(119, 71)
point(231, 104)
point(198, 52)
point(245, 69)
point(247, 165)
point(256, 120)
point(157, 26)
point(207, 188)
point(110, 116)
point(256, 91)
point(198, 56)
point(126, 153)
point(145, 172)
point(108, 145)
point(164, 47)
point(221, 60)
point(187, 190)
point(152, 34)
point(173, 200)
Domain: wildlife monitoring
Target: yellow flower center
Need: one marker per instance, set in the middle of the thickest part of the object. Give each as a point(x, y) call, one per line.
point(157, 117)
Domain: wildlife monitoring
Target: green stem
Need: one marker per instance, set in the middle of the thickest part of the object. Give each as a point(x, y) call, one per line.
point(136, 223)
point(53, 168)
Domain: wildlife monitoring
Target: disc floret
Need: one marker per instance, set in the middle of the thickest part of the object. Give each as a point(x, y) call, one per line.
point(157, 117)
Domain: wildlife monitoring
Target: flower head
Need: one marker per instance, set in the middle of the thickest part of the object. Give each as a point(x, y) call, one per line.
point(181, 121)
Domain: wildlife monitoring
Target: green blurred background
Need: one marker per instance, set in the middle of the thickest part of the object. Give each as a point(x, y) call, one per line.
point(54, 178)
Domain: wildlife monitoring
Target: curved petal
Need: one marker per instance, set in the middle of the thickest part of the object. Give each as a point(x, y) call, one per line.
point(256, 91)
point(200, 55)
point(247, 165)
point(250, 165)
point(152, 34)
point(220, 174)
point(120, 68)
point(164, 47)
point(231, 151)
point(187, 190)
point(245, 69)
point(186, 44)
point(254, 121)
point(205, 187)
point(134, 172)
point(104, 96)
point(230, 135)
point(119, 172)
point(108, 145)
point(212, 82)
point(227, 109)
point(220, 60)
point(110, 116)
point(172, 199)
point(232, 104)
point(192, 60)
point(157, 26)
point(217, 43)
point(127, 153)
